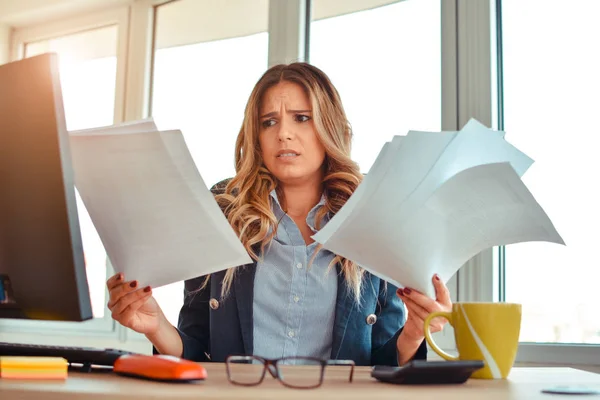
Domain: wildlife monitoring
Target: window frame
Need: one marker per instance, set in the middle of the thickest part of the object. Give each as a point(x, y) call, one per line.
point(467, 52)
point(481, 279)
point(118, 16)
point(288, 42)
point(289, 26)
point(99, 328)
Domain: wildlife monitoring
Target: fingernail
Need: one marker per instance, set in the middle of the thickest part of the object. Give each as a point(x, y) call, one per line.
point(119, 277)
point(407, 291)
point(437, 277)
point(133, 284)
point(147, 289)
point(400, 292)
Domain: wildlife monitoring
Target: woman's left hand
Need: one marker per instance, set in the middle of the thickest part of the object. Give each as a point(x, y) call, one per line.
point(420, 306)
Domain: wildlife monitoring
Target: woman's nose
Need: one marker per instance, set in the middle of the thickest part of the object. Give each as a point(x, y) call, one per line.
point(284, 135)
point(285, 132)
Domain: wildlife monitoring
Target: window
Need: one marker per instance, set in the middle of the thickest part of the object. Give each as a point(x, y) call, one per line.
point(92, 54)
point(397, 66)
point(550, 104)
point(386, 64)
point(88, 71)
point(385, 59)
point(202, 77)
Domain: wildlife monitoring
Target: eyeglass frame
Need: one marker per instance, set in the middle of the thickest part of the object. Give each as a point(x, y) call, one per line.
point(270, 363)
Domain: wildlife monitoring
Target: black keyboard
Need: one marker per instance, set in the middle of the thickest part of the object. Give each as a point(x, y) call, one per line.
point(86, 356)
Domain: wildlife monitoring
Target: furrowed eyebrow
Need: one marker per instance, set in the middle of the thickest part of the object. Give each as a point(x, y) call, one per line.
point(268, 115)
point(274, 113)
point(298, 111)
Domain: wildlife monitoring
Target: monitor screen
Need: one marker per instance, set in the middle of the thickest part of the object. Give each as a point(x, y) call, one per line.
point(42, 268)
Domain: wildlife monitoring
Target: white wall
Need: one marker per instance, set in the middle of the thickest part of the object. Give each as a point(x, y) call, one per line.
point(186, 22)
point(183, 22)
point(4, 43)
point(21, 13)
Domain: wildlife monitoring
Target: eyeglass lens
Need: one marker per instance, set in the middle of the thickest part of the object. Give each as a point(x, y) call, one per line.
point(300, 372)
point(245, 370)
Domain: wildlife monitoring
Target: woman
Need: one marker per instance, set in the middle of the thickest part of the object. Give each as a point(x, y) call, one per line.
point(293, 172)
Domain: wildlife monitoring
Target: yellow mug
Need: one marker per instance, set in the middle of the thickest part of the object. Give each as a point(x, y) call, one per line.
point(482, 331)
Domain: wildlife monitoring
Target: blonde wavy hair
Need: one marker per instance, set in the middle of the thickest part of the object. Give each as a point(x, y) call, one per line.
point(246, 198)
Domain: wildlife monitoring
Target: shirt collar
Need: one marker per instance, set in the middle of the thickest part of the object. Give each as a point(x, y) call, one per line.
point(310, 218)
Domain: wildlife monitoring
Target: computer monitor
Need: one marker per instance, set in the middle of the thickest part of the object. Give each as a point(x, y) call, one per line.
point(42, 266)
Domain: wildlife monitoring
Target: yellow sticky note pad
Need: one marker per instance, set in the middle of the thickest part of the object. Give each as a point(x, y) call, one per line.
point(21, 367)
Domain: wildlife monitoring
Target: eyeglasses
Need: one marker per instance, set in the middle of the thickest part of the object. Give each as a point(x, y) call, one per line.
point(293, 372)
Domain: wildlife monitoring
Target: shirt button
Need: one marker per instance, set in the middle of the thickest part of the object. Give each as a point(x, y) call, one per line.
point(299, 265)
point(291, 334)
point(296, 299)
point(214, 304)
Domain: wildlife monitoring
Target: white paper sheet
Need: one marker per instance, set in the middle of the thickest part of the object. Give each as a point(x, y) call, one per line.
point(376, 186)
point(140, 126)
point(440, 199)
point(158, 221)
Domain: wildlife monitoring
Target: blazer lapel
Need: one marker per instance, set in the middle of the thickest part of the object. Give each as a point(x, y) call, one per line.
point(243, 284)
point(344, 308)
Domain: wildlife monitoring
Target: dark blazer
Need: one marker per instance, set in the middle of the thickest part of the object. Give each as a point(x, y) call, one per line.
point(212, 328)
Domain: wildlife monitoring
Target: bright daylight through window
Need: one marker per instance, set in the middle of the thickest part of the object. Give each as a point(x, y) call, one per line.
point(202, 80)
point(551, 87)
point(88, 70)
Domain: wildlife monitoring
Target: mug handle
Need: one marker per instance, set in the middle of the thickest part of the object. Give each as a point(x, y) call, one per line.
point(430, 341)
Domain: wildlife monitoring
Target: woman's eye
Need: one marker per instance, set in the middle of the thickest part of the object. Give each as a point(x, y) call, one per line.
point(302, 118)
point(267, 123)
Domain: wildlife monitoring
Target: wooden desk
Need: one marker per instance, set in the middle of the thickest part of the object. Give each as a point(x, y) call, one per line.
point(523, 383)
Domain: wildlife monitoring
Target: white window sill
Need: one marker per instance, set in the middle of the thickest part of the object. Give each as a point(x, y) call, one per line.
point(560, 353)
point(546, 354)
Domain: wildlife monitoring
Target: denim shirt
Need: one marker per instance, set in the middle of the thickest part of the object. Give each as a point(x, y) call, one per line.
point(294, 302)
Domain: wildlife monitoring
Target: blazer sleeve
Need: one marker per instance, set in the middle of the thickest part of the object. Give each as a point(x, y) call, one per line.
point(388, 327)
point(194, 320)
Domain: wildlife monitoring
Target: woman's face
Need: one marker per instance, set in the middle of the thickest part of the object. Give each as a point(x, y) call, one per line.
point(288, 140)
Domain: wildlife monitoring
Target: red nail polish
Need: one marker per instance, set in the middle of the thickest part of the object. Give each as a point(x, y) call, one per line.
point(147, 289)
point(407, 291)
point(133, 284)
point(437, 277)
point(400, 292)
point(119, 277)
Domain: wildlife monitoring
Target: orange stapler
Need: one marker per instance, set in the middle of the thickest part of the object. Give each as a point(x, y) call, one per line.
point(159, 368)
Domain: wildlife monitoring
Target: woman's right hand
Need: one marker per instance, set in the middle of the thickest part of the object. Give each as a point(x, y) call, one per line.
point(133, 307)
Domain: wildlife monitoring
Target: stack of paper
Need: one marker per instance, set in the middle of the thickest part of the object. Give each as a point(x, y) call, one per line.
point(23, 367)
point(157, 220)
point(433, 200)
